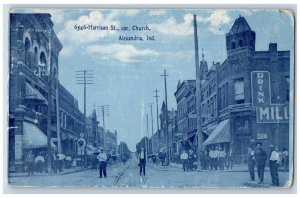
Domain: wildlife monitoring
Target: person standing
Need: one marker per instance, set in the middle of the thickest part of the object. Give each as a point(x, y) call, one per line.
point(54, 159)
point(215, 157)
point(260, 159)
point(251, 162)
point(191, 159)
point(274, 160)
point(39, 162)
point(229, 161)
point(221, 159)
point(30, 162)
point(210, 157)
point(142, 161)
point(102, 158)
point(285, 159)
point(184, 158)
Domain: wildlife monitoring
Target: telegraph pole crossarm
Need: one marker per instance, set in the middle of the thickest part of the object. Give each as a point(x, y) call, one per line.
point(84, 77)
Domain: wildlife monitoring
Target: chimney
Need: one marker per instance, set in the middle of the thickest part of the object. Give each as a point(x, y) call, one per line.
point(273, 47)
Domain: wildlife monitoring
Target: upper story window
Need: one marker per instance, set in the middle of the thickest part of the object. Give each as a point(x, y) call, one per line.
point(43, 64)
point(232, 45)
point(241, 43)
point(27, 51)
point(239, 92)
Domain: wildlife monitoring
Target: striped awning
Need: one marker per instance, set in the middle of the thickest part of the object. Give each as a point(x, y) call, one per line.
point(33, 137)
point(220, 134)
point(33, 94)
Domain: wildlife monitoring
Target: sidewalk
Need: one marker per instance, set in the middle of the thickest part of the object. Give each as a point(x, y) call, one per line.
point(235, 168)
point(64, 172)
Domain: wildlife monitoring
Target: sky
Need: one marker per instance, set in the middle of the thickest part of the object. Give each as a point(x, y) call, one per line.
point(127, 72)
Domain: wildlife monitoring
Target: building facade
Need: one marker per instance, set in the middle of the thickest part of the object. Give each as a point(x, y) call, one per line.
point(185, 137)
point(34, 51)
point(247, 96)
point(111, 142)
point(71, 121)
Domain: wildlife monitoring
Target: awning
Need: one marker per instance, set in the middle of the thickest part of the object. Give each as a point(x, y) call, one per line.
point(33, 137)
point(34, 94)
point(90, 149)
point(209, 129)
point(220, 134)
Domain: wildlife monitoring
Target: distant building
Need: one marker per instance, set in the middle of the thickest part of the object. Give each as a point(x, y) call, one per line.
point(185, 137)
point(71, 121)
point(91, 132)
point(111, 141)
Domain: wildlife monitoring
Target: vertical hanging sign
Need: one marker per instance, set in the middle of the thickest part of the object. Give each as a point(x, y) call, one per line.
point(266, 112)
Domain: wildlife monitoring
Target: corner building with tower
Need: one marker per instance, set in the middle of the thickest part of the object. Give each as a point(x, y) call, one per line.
point(247, 96)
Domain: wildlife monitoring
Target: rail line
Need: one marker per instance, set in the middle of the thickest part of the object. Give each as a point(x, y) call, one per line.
point(119, 176)
point(141, 180)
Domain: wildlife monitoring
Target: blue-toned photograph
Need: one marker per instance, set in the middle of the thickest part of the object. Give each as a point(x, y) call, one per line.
point(151, 98)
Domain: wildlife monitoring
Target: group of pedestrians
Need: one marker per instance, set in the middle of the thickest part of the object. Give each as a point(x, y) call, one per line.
point(38, 163)
point(257, 156)
point(35, 163)
point(188, 160)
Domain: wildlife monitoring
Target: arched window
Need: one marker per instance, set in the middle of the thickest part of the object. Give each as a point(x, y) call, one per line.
point(43, 63)
point(232, 45)
point(27, 51)
point(241, 43)
point(36, 55)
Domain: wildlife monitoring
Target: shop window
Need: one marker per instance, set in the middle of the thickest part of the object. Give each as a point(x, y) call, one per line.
point(287, 81)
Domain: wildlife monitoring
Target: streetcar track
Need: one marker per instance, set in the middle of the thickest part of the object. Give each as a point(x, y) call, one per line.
point(144, 181)
point(119, 176)
point(122, 173)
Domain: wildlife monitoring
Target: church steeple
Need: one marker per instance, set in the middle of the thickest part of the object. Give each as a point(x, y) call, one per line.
point(203, 67)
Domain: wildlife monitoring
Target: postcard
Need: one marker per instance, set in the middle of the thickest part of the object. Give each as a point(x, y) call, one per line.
point(151, 98)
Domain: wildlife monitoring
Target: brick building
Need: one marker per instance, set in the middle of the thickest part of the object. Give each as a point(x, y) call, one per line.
point(33, 64)
point(252, 92)
point(186, 115)
point(71, 121)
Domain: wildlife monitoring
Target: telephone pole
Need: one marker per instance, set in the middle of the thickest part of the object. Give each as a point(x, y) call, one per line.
point(84, 77)
point(156, 97)
point(150, 105)
point(166, 116)
point(198, 90)
point(105, 112)
point(147, 146)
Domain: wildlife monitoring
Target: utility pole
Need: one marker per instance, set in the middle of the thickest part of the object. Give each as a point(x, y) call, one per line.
point(166, 116)
point(156, 97)
point(84, 77)
point(51, 78)
point(150, 105)
point(147, 146)
point(198, 90)
point(105, 112)
point(49, 149)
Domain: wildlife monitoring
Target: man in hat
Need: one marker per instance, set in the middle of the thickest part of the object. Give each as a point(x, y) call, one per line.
point(274, 160)
point(30, 162)
point(260, 159)
point(102, 157)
